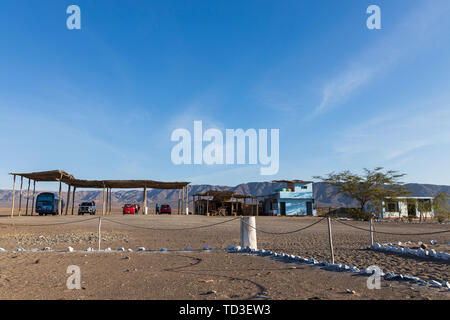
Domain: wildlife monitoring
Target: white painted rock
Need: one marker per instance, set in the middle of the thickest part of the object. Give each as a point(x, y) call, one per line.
point(121, 249)
point(130, 250)
point(163, 249)
point(141, 249)
point(238, 248)
point(435, 284)
point(70, 249)
point(1, 249)
point(47, 249)
point(89, 249)
point(20, 249)
point(446, 284)
point(108, 250)
point(433, 242)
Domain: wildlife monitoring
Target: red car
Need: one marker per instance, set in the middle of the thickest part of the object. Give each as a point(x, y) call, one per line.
point(165, 208)
point(130, 208)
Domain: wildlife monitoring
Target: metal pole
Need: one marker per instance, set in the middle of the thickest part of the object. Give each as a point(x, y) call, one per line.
point(99, 232)
point(59, 200)
point(331, 240)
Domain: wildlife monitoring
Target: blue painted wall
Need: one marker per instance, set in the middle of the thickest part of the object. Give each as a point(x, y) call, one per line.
point(296, 200)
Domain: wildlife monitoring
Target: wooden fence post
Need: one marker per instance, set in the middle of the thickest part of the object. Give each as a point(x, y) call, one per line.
point(371, 231)
point(330, 237)
point(248, 233)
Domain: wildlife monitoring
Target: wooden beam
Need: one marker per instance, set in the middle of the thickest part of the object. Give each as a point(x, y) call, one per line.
point(107, 201)
point(110, 200)
point(60, 198)
point(20, 196)
point(73, 198)
point(104, 198)
point(144, 200)
point(68, 200)
point(13, 195)
point(34, 192)
point(187, 199)
point(28, 196)
point(178, 207)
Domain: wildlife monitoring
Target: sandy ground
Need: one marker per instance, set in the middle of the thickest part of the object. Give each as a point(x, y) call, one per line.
point(202, 274)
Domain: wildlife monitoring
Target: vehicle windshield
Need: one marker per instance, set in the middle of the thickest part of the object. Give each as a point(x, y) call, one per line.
point(129, 206)
point(47, 198)
point(86, 204)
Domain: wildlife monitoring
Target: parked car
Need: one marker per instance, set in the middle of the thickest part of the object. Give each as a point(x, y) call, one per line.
point(87, 208)
point(48, 203)
point(130, 208)
point(165, 208)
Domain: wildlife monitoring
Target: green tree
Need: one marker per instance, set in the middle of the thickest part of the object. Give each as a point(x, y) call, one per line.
point(441, 205)
point(371, 187)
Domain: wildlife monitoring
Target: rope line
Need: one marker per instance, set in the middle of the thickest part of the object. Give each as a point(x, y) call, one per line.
point(169, 229)
point(288, 232)
point(47, 224)
point(393, 233)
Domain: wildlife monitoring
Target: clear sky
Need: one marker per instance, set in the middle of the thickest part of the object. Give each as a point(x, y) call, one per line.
point(102, 102)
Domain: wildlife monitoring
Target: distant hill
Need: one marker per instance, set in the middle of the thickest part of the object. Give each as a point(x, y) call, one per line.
point(323, 194)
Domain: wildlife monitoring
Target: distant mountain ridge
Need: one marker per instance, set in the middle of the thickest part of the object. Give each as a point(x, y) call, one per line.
point(323, 194)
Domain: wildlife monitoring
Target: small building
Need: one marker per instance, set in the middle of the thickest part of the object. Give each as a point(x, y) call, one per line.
point(224, 203)
point(295, 199)
point(405, 207)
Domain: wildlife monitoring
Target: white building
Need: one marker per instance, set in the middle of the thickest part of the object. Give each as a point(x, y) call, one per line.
point(404, 207)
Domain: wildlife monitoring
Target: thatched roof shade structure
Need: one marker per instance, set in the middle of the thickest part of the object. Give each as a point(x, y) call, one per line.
point(107, 185)
point(49, 176)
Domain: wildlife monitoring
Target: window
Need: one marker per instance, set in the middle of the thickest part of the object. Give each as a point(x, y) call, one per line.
point(304, 187)
point(392, 207)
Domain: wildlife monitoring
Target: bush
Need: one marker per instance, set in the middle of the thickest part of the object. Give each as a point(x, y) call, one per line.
point(440, 218)
point(357, 214)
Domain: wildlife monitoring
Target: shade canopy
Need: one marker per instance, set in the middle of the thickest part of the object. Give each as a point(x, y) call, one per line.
point(222, 195)
point(127, 184)
point(53, 175)
point(59, 175)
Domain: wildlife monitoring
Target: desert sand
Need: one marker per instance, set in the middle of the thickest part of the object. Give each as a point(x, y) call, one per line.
point(201, 274)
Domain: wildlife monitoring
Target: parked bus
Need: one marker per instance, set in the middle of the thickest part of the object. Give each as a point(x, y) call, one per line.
point(47, 203)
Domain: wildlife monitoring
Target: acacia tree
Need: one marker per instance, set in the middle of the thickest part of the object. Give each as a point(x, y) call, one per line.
point(441, 205)
point(373, 186)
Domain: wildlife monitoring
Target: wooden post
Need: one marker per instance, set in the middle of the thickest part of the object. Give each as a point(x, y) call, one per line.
point(107, 201)
point(13, 195)
point(183, 203)
point(60, 199)
point(331, 240)
point(193, 204)
point(110, 200)
point(28, 196)
point(68, 200)
point(20, 196)
point(73, 198)
point(248, 233)
point(144, 202)
point(178, 207)
point(34, 192)
point(187, 200)
point(257, 207)
point(104, 198)
point(207, 205)
point(371, 231)
point(99, 232)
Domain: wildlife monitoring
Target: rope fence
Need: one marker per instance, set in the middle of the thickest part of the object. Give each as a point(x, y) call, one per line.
point(248, 229)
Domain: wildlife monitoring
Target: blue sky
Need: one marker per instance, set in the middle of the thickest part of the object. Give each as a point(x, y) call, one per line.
point(101, 102)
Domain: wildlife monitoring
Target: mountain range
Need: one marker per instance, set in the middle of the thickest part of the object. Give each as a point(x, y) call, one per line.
point(323, 193)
